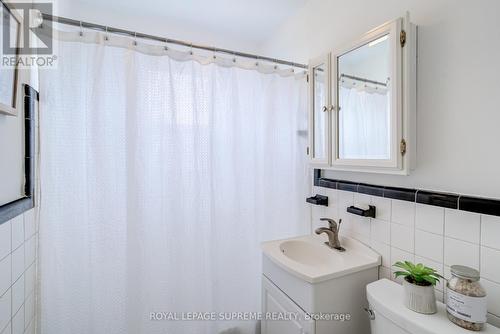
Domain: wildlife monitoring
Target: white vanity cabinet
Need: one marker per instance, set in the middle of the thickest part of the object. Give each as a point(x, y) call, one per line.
point(362, 103)
point(276, 304)
point(323, 291)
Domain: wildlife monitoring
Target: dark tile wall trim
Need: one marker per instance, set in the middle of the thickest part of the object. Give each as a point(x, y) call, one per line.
point(479, 205)
point(451, 201)
point(371, 190)
point(327, 183)
point(400, 193)
point(347, 186)
point(317, 177)
point(18, 206)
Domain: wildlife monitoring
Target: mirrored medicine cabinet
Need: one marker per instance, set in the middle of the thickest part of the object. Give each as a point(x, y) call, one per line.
point(362, 102)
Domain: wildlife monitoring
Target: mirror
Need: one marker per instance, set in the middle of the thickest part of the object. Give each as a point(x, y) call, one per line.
point(362, 102)
point(319, 111)
point(363, 93)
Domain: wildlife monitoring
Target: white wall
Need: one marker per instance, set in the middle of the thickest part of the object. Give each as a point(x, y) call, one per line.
point(11, 156)
point(163, 24)
point(12, 144)
point(458, 82)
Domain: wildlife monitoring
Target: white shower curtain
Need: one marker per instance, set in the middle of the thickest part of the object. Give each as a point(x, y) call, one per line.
point(159, 180)
point(364, 123)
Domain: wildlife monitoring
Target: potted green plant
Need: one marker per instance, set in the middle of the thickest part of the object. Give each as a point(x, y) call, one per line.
point(418, 283)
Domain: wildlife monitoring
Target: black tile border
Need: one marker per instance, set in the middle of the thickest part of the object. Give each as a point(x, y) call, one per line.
point(402, 194)
point(485, 206)
point(449, 201)
point(20, 205)
point(347, 186)
point(479, 205)
point(369, 189)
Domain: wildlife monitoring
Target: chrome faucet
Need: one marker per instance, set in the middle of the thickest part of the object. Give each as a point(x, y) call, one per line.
point(332, 232)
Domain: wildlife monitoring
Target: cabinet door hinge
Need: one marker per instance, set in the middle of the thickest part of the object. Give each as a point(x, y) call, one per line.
point(307, 77)
point(402, 147)
point(307, 150)
point(402, 38)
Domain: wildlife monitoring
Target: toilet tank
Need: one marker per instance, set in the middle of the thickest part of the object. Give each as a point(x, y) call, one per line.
point(389, 315)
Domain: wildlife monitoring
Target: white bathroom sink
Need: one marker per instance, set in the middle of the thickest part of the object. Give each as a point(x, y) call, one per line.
point(308, 258)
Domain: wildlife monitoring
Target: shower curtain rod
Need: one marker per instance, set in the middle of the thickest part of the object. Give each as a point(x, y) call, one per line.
point(352, 77)
point(88, 25)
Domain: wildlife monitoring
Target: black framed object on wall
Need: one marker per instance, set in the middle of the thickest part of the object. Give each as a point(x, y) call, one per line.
point(27, 201)
point(11, 28)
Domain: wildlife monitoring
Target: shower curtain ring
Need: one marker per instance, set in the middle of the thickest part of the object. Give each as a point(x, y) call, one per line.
point(191, 49)
point(106, 36)
point(81, 28)
point(135, 39)
point(166, 44)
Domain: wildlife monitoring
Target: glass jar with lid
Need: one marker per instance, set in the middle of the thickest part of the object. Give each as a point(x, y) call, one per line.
point(466, 298)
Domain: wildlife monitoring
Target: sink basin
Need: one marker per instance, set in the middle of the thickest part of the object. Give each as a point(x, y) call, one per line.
point(306, 253)
point(308, 258)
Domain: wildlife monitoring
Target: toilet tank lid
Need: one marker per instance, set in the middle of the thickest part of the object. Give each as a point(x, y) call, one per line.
point(386, 298)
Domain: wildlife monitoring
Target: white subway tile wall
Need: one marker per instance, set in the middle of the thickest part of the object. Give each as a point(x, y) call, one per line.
point(461, 252)
point(18, 255)
point(428, 234)
point(384, 208)
point(430, 218)
point(403, 237)
point(403, 212)
point(490, 230)
point(490, 264)
point(381, 231)
point(5, 239)
point(429, 245)
point(462, 225)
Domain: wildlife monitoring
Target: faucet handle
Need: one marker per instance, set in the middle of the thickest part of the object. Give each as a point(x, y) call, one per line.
point(331, 222)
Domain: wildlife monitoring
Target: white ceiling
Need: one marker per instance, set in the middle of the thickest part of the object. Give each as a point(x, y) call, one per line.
point(250, 21)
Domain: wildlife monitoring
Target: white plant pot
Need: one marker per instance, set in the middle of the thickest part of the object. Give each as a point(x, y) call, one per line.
point(421, 299)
